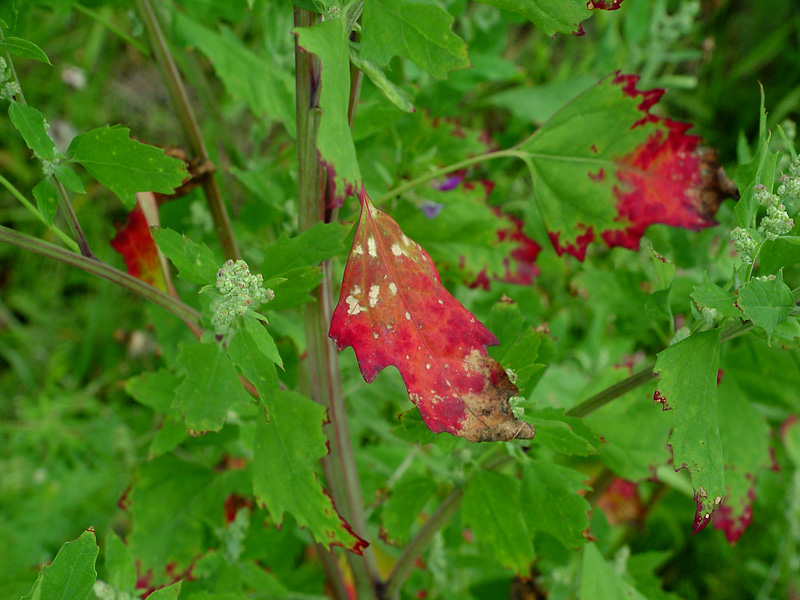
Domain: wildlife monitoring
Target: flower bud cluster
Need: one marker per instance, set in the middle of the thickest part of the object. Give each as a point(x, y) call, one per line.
point(240, 291)
point(745, 244)
point(8, 87)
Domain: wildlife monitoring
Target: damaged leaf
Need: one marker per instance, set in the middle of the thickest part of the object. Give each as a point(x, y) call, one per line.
point(635, 170)
point(394, 311)
point(688, 384)
point(136, 246)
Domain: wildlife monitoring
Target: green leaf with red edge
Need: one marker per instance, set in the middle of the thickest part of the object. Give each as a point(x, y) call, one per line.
point(745, 445)
point(284, 479)
point(633, 171)
point(328, 40)
point(688, 374)
point(136, 246)
point(394, 311)
point(551, 16)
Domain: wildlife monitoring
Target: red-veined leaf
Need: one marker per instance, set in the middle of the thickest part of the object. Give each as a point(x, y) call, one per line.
point(393, 310)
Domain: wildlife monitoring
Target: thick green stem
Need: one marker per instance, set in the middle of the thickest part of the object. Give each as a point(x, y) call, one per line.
point(323, 367)
point(185, 114)
point(96, 267)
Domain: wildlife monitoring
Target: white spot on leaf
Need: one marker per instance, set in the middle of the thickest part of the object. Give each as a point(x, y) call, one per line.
point(393, 288)
point(353, 306)
point(374, 291)
point(373, 249)
point(357, 249)
point(396, 249)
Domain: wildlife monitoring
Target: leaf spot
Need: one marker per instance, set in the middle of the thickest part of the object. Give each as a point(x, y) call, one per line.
point(358, 249)
point(393, 288)
point(408, 316)
point(396, 249)
point(353, 306)
point(373, 250)
point(374, 291)
point(428, 366)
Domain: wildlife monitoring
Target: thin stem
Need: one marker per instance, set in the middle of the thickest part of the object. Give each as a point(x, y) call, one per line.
point(63, 198)
point(70, 243)
point(185, 114)
point(72, 219)
point(322, 361)
point(610, 393)
point(444, 171)
point(405, 563)
point(118, 31)
point(96, 267)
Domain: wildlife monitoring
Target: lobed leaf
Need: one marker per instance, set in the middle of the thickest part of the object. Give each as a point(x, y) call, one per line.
point(126, 166)
point(635, 170)
point(551, 16)
point(687, 374)
point(766, 302)
point(415, 29)
point(195, 262)
point(393, 310)
point(33, 128)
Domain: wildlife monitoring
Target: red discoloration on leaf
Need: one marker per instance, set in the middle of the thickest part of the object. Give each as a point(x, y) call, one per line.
point(657, 397)
point(579, 31)
point(137, 248)
point(603, 4)
point(733, 522)
point(521, 267)
point(394, 311)
point(621, 502)
point(599, 176)
point(578, 249)
point(233, 503)
point(702, 517)
point(662, 180)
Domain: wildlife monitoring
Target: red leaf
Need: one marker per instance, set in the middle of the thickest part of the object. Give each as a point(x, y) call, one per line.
point(394, 311)
point(137, 248)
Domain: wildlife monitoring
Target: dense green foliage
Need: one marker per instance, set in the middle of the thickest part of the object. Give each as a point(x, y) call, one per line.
point(207, 461)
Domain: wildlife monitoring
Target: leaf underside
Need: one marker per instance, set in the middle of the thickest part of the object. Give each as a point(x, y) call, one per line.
point(394, 311)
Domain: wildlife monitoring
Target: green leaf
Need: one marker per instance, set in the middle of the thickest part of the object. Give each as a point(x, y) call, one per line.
point(25, 49)
point(550, 501)
point(170, 592)
point(665, 270)
point(211, 387)
point(766, 302)
point(713, 296)
point(166, 525)
point(126, 166)
point(407, 499)
point(568, 435)
point(31, 125)
point(321, 242)
point(119, 563)
point(271, 94)
point(415, 29)
point(71, 574)
point(263, 340)
point(171, 433)
point(195, 262)
point(551, 16)
point(69, 178)
point(8, 16)
point(287, 450)
point(292, 289)
point(328, 40)
point(745, 436)
point(246, 353)
point(394, 93)
point(688, 384)
point(46, 197)
point(155, 389)
point(491, 510)
point(519, 343)
point(600, 582)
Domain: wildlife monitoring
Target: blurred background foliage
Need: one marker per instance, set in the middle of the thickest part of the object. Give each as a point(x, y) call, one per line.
point(71, 438)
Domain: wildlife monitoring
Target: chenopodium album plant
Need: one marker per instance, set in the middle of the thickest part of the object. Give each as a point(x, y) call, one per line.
point(604, 168)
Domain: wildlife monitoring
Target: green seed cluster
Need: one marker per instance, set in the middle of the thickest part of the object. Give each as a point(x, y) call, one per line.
point(8, 87)
point(240, 291)
point(777, 221)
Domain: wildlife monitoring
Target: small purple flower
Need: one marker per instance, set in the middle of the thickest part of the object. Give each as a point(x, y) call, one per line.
point(450, 183)
point(431, 209)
